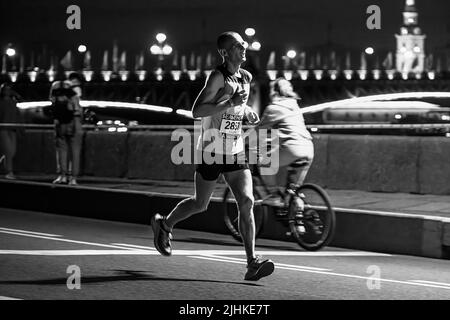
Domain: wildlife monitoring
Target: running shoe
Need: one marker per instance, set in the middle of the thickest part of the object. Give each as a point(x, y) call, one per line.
point(258, 268)
point(10, 176)
point(161, 235)
point(60, 180)
point(72, 181)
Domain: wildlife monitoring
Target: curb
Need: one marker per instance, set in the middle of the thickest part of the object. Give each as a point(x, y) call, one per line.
point(385, 232)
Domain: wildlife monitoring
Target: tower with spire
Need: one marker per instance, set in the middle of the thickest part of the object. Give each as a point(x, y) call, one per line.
point(410, 55)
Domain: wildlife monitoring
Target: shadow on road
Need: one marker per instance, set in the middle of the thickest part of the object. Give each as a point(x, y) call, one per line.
point(122, 275)
point(234, 243)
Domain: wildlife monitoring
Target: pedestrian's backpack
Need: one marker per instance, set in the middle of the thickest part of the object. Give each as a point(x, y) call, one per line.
point(61, 108)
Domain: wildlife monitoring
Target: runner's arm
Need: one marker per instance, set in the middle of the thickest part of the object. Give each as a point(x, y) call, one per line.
point(205, 105)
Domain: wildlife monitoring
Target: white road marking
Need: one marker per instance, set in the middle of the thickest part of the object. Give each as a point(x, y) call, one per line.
point(300, 269)
point(31, 232)
point(8, 298)
point(431, 282)
point(203, 254)
point(277, 264)
point(62, 240)
point(133, 246)
point(151, 251)
point(244, 261)
point(75, 252)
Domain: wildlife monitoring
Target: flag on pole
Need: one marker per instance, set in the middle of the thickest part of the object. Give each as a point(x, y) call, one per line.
point(66, 61)
point(302, 60)
point(192, 61)
point(363, 62)
point(175, 61)
point(115, 57)
point(183, 63)
point(123, 61)
point(105, 65)
point(139, 65)
point(208, 62)
point(387, 63)
point(199, 62)
point(348, 61)
point(271, 61)
point(87, 61)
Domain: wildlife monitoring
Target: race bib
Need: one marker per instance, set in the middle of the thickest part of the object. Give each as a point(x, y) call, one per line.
point(231, 124)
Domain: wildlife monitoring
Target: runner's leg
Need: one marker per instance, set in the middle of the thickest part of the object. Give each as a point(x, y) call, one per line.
point(198, 203)
point(241, 185)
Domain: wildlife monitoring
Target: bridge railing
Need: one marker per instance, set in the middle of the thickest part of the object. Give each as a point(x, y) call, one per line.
point(312, 127)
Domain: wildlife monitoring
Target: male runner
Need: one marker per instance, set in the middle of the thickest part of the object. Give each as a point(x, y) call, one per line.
point(221, 105)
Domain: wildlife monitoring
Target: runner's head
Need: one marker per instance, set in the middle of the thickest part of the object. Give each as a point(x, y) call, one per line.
point(282, 88)
point(232, 47)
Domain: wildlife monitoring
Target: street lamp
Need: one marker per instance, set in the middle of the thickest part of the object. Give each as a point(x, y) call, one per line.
point(160, 49)
point(291, 54)
point(10, 53)
point(254, 44)
point(82, 48)
point(369, 50)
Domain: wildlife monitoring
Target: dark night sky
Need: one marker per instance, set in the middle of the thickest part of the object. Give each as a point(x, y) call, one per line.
point(195, 24)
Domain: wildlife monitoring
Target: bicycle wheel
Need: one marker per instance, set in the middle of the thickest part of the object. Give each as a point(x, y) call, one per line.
point(231, 217)
point(312, 228)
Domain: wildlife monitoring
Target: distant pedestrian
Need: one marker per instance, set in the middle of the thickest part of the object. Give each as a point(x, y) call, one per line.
point(66, 112)
point(9, 113)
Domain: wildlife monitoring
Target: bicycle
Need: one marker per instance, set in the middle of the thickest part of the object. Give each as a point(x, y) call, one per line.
point(312, 226)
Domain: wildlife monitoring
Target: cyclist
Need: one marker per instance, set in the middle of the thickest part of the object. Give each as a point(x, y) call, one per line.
point(295, 147)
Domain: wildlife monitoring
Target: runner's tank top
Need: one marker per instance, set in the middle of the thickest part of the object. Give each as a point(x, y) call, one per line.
point(221, 133)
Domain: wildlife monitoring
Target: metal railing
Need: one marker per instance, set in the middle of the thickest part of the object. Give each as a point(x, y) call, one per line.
point(313, 127)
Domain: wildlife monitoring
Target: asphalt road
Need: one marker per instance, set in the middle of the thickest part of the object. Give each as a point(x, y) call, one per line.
point(41, 256)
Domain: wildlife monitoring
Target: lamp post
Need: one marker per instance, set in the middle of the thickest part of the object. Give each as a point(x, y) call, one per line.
point(10, 53)
point(160, 49)
point(287, 72)
point(254, 46)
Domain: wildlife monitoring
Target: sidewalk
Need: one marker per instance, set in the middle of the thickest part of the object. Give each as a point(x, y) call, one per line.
point(344, 200)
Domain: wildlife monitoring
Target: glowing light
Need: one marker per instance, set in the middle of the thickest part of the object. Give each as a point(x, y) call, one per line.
point(250, 32)
point(10, 52)
point(291, 54)
point(381, 97)
point(256, 45)
point(13, 75)
point(167, 49)
point(88, 75)
point(403, 50)
point(303, 74)
point(417, 49)
point(369, 50)
point(314, 129)
point(176, 74)
point(318, 74)
point(155, 49)
point(398, 116)
point(82, 48)
point(445, 117)
point(112, 129)
point(106, 75)
point(161, 37)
